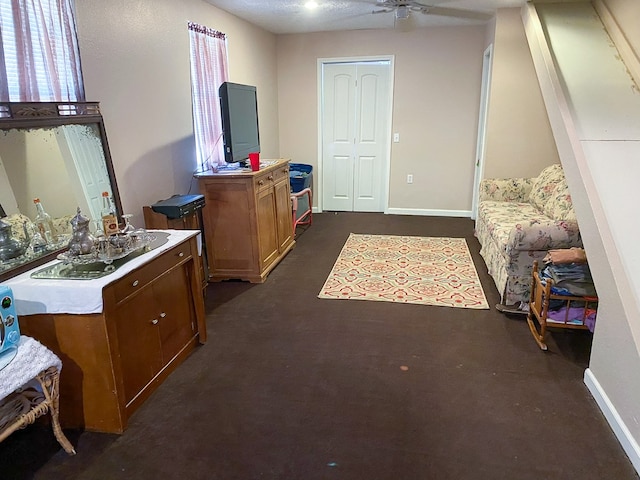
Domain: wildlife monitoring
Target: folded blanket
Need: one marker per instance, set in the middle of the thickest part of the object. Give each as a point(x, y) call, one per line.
point(31, 359)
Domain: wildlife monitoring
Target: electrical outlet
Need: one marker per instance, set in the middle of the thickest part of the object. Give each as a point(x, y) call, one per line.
point(396, 137)
point(410, 178)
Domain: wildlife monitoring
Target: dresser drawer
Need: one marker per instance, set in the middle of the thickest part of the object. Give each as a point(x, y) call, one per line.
point(270, 178)
point(138, 279)
point(281, 173)
point(263, 181)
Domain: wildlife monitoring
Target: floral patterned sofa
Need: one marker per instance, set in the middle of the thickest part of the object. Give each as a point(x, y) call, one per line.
point(20, 222)
point(519, 220)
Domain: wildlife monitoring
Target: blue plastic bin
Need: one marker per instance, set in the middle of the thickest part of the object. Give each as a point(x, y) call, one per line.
point(300, 176)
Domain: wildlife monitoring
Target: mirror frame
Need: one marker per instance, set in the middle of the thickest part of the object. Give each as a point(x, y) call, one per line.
point(30, 115)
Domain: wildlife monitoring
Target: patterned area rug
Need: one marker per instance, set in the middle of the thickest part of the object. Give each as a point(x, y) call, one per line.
point(423, 270)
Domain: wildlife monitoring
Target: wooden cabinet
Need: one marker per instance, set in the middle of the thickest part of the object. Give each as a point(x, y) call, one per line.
point(157, 221)
point(247, 221)
point(152, 318)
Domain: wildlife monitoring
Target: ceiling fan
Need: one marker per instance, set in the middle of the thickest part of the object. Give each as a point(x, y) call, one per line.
point(403, 9)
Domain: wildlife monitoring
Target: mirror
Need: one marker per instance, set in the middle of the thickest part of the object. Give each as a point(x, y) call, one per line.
point(58, 153)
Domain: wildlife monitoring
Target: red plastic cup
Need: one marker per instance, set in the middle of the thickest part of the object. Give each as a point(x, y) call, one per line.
point(254, 158)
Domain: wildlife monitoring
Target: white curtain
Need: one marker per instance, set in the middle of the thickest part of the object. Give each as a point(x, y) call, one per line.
point(208, 71)
point(40, 59)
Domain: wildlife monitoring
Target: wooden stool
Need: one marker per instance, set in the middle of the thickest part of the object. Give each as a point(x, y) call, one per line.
point(29, 388)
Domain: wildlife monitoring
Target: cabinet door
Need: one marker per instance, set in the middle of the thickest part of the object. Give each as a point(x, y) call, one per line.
point(284, 214)
point(267, 227)
point(176, 318)
point(138, 342)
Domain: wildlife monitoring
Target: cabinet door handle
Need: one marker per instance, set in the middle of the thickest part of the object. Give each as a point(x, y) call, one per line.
point(135, 283)
point(162, 315)
point(154, 321)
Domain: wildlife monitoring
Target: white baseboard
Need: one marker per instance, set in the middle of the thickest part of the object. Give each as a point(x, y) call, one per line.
point(429, 213)
point(416, 211)
point(628, 443)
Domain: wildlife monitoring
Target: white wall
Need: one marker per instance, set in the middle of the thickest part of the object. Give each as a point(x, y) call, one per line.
point(594, 107)
point(135, 59)
point(519, 140)
point(435, 106)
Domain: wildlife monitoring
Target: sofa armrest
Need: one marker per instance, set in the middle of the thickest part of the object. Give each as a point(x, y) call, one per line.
point(543, 236)
point(505, 189)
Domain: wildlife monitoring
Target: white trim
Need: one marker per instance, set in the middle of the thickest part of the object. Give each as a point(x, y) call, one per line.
point(628, 443)
point(429, 213)
point(418, 212)
point(626, 51)
point(319, 82)
point(481, 141)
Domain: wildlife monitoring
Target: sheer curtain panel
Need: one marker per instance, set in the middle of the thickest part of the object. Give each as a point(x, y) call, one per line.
point(40, 59)
point(208, 71)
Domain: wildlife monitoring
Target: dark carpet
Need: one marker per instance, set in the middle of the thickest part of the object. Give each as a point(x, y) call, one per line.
point(290, 386)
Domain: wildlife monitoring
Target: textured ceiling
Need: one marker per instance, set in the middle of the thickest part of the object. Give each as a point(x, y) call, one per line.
point(291, 16)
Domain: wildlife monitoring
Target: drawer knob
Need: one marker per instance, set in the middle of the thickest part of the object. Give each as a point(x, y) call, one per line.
point(135, 283)
point(181, 254)
point(154, 321)
point(270, 177)
point(261, 182)
point(162, 315)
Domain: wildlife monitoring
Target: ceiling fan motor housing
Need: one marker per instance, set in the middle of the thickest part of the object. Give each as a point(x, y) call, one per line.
point(402, 12)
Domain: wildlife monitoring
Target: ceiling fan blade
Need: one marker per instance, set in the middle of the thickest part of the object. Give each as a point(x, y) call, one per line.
point(454, 12)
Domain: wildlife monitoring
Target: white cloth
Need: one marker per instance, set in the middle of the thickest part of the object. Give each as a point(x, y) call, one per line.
point(31, 359)
point(36, 295)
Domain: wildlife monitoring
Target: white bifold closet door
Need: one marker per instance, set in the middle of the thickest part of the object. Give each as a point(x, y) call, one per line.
point(354, 139)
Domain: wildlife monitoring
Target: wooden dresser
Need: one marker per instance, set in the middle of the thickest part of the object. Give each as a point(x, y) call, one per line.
point(152, 317)
point(247, 221)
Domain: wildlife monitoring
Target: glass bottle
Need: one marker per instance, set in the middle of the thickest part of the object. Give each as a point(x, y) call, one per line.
point(44, 224)
point(108, 214)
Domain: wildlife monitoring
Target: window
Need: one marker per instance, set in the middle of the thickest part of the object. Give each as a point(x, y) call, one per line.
point(39, 54)
point(208, 72)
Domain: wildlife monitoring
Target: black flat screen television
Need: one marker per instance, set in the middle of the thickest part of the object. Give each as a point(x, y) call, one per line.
point(239, 106)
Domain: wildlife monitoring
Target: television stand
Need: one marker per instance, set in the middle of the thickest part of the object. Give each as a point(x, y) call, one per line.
point(247, 221)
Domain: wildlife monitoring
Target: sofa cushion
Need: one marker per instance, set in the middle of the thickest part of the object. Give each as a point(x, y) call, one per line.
point(559, 206)
point(544, 186)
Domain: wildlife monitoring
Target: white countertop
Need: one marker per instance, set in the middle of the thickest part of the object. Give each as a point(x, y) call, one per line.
point(37, 296)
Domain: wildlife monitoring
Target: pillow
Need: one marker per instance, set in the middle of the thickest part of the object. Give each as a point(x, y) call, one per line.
point(559, 206)
point(544, 186)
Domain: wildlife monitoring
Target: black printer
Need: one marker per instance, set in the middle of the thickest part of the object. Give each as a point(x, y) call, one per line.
point(179, 206)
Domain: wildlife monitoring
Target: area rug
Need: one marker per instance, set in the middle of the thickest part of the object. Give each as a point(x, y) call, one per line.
point(404, 269)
